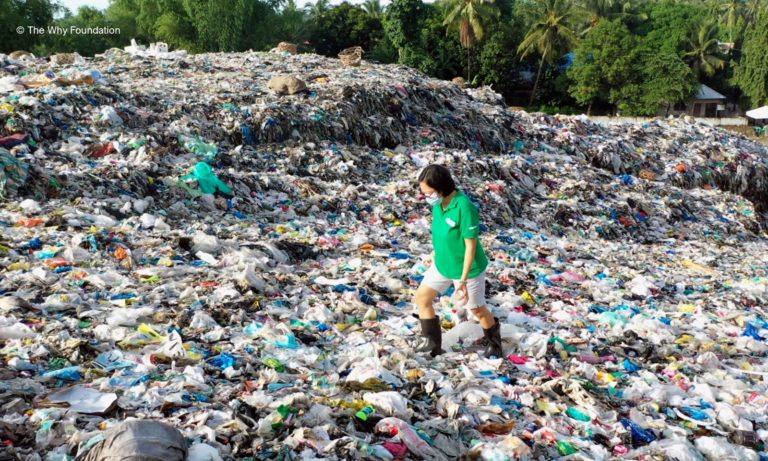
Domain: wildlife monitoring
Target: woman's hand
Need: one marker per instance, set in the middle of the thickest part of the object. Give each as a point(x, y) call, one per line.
point(461, 291)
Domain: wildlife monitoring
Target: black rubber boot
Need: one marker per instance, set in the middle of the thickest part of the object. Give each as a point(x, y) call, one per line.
point(432, 337)
point(493, 339)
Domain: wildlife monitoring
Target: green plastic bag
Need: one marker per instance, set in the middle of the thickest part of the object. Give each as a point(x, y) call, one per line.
point(13, 174)
point(207, 179)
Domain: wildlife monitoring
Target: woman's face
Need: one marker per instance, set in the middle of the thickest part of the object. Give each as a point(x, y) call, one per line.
point(428, 191)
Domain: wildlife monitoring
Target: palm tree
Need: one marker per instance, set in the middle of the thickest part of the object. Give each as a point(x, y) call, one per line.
point(550, 33)
point(373, 8)
point(293, 22)
point(703, 51)
point(596, 10)
point(751, 10)
point(732, 10)
point(318, 8)
point(470, 16)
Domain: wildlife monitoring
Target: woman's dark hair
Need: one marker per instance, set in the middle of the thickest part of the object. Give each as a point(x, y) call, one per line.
point(439, 178)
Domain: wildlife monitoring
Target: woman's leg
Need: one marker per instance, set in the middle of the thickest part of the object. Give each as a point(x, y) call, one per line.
point(491, 327)
point(484, 316)
point(424, 298)
point(431, 286)
point(431, 333)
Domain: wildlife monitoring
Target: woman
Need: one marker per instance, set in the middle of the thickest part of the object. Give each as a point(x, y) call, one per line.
point(458, 259)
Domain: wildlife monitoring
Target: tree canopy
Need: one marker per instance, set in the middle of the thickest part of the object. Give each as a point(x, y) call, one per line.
point(628, 56)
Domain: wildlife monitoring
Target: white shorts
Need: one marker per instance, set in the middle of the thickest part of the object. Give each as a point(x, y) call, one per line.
point(475, 286)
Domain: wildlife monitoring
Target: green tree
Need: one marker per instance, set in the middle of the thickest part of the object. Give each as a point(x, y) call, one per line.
point(668, 26)
point(667, 80)
point(122, 14)
point(383, 51)
point(168, 21)
point(550, 34)
point(344, 26)
point(471, 17)
point(85, 44)
point(444, 50)
point(497, 66)
point(220, 25)
point(605, 61)
point(732, 13)
point(402, 23)
point(24, 13)
point(702, 50)
point(293, 25)
point(373, 8)
point(319, 8)
point(751, 10)
point(626, 10)
point(750, 74)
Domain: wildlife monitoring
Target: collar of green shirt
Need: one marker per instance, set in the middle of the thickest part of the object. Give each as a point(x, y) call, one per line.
point(453, 203)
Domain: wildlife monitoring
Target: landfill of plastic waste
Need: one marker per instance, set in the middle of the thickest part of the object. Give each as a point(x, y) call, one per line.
point(181, 244)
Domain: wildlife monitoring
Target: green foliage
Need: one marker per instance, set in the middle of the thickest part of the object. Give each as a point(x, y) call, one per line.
point(471, 18)
point(551, 33)
point(444, 49)
point(497, 66)
point(383, 51)
point(702, 50)
point(667, 80)
point(613, 65)
point(23, 13)
point(344, 26)
point(85, 44)
point(638, 56)
point(293, 24)
point(669, 24)
point(605, 60)
point(402, 22)
point(750, 74)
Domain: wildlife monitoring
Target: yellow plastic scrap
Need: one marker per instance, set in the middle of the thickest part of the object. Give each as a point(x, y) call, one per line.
point(19, 266)
point(414, 374)
point(698, 267)
point(528, 298)
point(547, 407)
point(150, 332)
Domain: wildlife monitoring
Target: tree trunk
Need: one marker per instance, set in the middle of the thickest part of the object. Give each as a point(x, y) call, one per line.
point(536, 83)
point(469, 69)
point(589, 109)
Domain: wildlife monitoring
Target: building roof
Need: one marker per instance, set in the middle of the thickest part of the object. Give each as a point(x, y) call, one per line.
point(706, 92)
point(761, 113)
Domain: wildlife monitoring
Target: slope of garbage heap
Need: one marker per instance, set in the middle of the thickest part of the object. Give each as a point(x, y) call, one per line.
point(181, 244)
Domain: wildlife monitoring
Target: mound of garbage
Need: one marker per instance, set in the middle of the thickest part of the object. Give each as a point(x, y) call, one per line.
point(229, 243)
